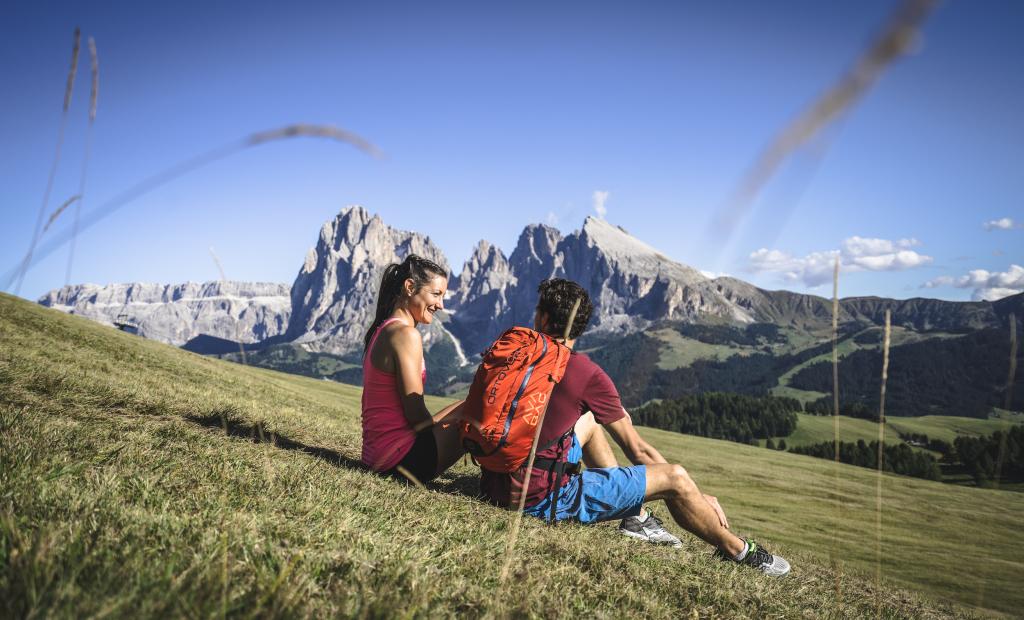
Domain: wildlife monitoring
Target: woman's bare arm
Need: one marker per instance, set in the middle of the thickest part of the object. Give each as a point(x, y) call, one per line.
point(408, 347)
point(407, 344)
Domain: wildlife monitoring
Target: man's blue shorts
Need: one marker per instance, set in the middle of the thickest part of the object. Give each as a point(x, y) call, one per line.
point(596, 494)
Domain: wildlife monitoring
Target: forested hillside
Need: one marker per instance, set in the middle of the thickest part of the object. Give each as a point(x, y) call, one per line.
point(964, 376)
point(723, 416)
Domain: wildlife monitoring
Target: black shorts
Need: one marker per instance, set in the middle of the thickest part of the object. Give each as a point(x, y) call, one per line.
point(421, 460)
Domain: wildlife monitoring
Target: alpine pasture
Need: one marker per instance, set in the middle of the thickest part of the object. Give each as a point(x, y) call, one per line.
point(137, 479)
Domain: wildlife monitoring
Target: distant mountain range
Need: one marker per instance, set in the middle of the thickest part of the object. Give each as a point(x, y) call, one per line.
point(635, 289)
point(176, 313)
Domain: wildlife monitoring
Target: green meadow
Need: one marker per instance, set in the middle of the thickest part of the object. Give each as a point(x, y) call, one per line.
point(812, 429)
point(137, 479)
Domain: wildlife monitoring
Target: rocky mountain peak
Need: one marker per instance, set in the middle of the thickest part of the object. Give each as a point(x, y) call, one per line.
point(625, 253)
point(334, 296)
point(486, 270)
point(537, 244)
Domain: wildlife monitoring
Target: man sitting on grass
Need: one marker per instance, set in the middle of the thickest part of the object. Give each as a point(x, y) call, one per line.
point(583, 402)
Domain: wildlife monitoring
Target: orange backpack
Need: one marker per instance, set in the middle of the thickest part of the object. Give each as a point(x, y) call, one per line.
point(509, 393)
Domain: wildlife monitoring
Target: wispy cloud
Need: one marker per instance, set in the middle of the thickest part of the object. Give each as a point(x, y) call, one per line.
point(714, 274)
point(1003, 223)
point(987, 285)
point(855, 254)
point(601, 197)
point(551, 219)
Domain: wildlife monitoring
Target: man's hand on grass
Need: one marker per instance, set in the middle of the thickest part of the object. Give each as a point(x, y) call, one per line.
point(718, 510)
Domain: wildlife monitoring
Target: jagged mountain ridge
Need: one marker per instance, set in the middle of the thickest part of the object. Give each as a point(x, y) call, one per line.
point(333, 297)
point(630, 283)
point(176, 313)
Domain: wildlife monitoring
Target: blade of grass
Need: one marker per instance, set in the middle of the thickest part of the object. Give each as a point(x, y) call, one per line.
point(93, 101)
point(835, 423)
point(895, 39)
point(881, 459)
point(517, 522)
point(68, 90)
point(174, 172)
point(238, 333)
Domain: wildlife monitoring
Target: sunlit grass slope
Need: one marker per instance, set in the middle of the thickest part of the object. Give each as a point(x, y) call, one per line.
point(137, 479)
point(812, 429)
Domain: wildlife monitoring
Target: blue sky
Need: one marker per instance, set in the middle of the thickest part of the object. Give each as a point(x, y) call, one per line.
point(493, 117)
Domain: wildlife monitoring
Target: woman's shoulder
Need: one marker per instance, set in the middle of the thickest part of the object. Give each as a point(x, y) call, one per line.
point(402, 335)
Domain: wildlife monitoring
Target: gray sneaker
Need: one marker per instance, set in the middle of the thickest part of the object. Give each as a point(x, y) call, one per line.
point(650, 529)
point(759, 558)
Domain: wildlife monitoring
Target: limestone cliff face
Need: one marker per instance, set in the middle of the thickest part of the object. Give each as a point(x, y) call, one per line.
point(630, 283)
point(333, 299)
point(334, 296)
point(176, 313)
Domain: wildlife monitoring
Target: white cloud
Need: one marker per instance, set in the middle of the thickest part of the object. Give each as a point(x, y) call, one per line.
point(863, 246)
point(1003, 223)
point(551, 219)
point(855, 254)
point(711, 275)
point(987, 285)
point(601, 197)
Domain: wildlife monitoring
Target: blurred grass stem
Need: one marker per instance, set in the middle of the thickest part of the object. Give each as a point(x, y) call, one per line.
point(37, 231)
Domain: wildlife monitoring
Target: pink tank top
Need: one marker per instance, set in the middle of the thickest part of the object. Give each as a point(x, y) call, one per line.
point(387, 436)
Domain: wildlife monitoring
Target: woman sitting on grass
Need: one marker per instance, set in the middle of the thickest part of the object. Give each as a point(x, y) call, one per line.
point(400, 437)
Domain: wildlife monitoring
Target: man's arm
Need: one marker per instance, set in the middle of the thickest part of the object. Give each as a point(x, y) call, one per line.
point(638, 451)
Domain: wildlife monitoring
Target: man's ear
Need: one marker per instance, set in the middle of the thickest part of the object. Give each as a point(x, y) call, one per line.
point(541, 321)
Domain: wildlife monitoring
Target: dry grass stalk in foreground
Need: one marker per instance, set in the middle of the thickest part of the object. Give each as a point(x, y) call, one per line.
point(315, 131)
point(514, 534)
point(93, 101)
point(238, 333)
point(68, 90)
point(833, 552)
point(896, 39)
point(170, 174)
point(881, 456)
point(53, 216)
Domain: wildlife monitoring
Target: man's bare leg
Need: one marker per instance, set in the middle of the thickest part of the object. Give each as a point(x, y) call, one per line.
point(597, 452)
point(689, 508)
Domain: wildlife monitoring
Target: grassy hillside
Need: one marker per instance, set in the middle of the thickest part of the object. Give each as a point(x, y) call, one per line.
point(813, 429)
point(948, 428)
point(141, 480)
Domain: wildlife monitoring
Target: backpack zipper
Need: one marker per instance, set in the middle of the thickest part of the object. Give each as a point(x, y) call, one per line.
point(515, 401)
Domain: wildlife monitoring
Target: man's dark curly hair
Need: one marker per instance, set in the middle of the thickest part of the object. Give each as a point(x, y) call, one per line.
point(556, 299)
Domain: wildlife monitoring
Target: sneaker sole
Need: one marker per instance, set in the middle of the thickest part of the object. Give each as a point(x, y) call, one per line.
point(675, 545)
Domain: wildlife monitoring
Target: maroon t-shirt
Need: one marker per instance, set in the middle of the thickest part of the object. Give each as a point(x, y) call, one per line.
point(584, 387)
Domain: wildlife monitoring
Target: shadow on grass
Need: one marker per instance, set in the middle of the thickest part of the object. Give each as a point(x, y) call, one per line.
point(448, 482)
point(458, 484)
point(256, 434)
